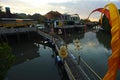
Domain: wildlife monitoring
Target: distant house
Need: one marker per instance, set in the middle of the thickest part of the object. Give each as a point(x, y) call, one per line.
point(56, 19)
point(53, 18)
point(75, 18)
point(53, 15)
point(71, 18)
point(66, 17)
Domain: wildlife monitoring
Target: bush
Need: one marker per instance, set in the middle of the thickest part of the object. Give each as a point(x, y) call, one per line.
point(6, 59)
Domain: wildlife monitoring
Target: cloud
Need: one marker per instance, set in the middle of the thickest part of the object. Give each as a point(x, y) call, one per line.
point(84, 7)
point(81, 7)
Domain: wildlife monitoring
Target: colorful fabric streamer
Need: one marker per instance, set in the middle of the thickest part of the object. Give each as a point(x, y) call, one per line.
point(114, 19)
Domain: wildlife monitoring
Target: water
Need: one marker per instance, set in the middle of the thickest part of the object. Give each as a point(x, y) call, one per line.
point(95, 50)
point(36, 63)
point(33, 63)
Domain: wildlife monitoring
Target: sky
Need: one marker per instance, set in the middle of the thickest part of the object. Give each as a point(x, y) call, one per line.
point(81, 7)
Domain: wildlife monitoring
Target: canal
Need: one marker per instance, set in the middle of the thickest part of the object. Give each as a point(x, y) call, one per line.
point(94, 50)
point(35, 60)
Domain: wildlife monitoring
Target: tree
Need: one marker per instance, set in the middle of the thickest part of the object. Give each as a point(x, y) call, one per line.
point(6, 59)
point(38, 18)
point(0, 8)
point(2, 14)
point(83, 21)
point(105, 23)
point(19, 15)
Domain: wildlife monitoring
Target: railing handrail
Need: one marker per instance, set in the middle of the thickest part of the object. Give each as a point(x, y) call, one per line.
point(68, 69)
point(90, 69)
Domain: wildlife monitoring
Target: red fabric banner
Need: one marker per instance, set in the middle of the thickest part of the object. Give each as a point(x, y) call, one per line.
point(102, 10)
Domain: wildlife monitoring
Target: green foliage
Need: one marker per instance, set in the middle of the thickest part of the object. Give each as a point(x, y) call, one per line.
point(0, 8)
point(83, 21)
point(6, 59)
point(38, 18)
point(20, 15)
point(105, 24)
point(2, 14)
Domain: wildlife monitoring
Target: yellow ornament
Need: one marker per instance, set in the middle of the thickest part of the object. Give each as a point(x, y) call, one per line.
point(63, 51)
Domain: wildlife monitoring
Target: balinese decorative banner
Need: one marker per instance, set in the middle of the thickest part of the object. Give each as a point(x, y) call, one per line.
point(114, 19)
point(102, 10)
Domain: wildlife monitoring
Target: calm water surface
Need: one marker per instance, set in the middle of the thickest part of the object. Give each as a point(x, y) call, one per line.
point(36, 63)
point(95, 50)
point(33, 63)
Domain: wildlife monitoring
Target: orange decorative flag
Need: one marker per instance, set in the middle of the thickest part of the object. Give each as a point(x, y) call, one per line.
point(114, 59)
point(114, 20)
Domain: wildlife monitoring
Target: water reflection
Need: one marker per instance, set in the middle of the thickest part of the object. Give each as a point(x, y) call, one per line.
point(24, 52)
point(95, 50)
point(34, 62)
point(69, 37)
point(104, 38)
